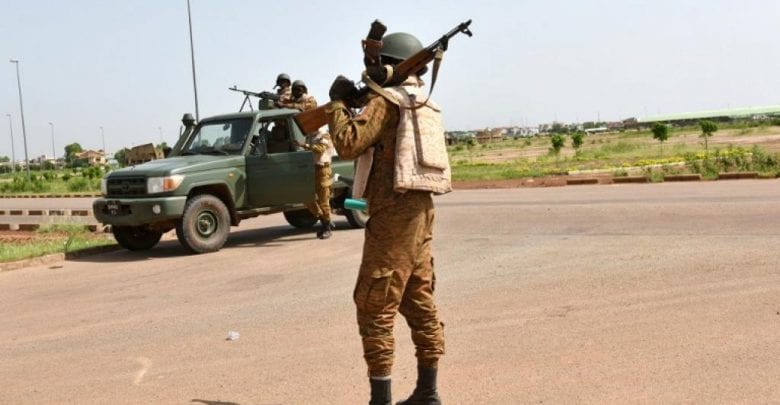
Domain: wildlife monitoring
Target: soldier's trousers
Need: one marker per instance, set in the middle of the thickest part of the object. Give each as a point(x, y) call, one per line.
point(323, 179)
point(396, 275)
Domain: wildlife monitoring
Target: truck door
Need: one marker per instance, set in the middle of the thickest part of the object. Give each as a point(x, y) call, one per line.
point(278, 172)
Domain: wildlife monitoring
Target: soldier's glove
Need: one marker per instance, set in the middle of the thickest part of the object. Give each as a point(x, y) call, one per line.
point(343, 89)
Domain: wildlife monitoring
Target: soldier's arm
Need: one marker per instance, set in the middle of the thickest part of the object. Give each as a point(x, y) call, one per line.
point(308, 103)
point(352, 136)
point(319, 147)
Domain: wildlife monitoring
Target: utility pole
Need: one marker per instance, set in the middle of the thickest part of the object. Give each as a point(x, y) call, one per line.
point(192, 56)
point(13, 154)
point(53, 149)
point(21, 109)
point(103, 137)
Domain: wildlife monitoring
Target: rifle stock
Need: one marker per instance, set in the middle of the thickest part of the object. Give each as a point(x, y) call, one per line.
point(311, 120)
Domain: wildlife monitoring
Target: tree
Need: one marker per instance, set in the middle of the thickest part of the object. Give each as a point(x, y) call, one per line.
point(4, 159)
point(557, 141)
point(707, 129)
point(661, 134)
point(576, 141)
point(559, 128)
point(71, 150)
point(121, 156)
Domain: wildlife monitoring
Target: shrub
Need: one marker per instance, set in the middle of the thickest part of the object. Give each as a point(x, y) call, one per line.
point(78, 184)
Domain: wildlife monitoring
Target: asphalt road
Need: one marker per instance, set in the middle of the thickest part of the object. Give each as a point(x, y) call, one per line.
point(663, 293)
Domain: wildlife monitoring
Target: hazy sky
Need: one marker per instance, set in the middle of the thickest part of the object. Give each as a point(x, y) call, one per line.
point(125, 65)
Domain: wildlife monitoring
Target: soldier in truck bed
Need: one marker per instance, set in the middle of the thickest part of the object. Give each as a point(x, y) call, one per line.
point(299, 99)
point(283, 87)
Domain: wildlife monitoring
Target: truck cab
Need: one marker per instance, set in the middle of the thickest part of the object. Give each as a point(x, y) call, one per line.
point(222, 169)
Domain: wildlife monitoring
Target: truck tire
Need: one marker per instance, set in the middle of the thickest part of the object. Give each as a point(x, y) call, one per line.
point(136, 237)
point(205, 224)
point(356, 218)
point(301, 219)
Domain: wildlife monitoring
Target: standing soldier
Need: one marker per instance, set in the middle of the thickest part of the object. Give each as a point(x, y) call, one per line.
point(319, 143)
point(396, 272)
point(283, 87)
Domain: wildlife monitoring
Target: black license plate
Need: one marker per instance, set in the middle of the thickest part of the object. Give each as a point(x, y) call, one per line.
point(113, 207)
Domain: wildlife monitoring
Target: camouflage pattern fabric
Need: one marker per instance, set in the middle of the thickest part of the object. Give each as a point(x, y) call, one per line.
point(320, 144)
point(323, 179)
point(303, 103)
point(396, 273)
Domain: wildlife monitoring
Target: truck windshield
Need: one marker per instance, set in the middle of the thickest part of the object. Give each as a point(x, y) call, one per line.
point(222, 137)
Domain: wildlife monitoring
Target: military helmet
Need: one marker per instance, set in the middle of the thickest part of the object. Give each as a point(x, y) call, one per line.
point(300, 83)
point(282, 76)
point(400, 45)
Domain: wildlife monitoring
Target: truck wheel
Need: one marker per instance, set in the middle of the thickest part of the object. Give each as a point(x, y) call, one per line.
point(356, 218)
point(300, 218)
point(205, 224)
point(136, 237)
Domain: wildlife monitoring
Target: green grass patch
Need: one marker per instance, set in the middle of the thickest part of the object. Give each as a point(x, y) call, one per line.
point(53, 239)
point(52, 182)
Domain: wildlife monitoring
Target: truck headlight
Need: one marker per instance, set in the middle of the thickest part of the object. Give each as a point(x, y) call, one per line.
point(104, 186)
point(162, 184)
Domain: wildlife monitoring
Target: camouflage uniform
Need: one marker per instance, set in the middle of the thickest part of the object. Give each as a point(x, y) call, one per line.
point(304, 103)
point(320, 144)
point(396, 272)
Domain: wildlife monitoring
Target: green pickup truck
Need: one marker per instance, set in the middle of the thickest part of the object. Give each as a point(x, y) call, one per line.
point(222, 169)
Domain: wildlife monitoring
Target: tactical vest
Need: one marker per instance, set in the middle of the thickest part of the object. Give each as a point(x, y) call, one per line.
point(421, 161)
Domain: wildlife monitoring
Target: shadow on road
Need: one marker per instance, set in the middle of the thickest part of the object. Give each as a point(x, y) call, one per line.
point(248, 238)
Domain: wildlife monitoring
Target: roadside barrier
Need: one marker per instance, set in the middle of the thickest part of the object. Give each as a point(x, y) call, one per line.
point(32, 219)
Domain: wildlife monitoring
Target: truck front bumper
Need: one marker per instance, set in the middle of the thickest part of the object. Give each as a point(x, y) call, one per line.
point(138, 211)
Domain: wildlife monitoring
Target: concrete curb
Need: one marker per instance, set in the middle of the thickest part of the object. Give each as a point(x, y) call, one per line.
point(581, 181)
point(683, 177)
point(737, 175)
point(630, 179)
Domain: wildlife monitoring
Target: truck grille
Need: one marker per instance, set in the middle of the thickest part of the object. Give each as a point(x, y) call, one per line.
point(127, 186)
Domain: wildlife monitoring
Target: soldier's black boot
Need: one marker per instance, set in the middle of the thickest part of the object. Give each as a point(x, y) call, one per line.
point(325, 230)
point(425, 392)
point(380, 392)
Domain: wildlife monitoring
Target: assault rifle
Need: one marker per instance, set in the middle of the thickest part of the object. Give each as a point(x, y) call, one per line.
point(263, 95)
point(309, 121)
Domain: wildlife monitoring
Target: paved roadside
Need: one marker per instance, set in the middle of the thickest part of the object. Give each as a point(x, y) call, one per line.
point(591, 294)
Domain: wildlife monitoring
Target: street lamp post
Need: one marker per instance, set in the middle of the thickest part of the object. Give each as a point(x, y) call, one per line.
point(192, 57)
point(53, 149)
point(103, 137)
point(21, 109)
point(13, 154)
